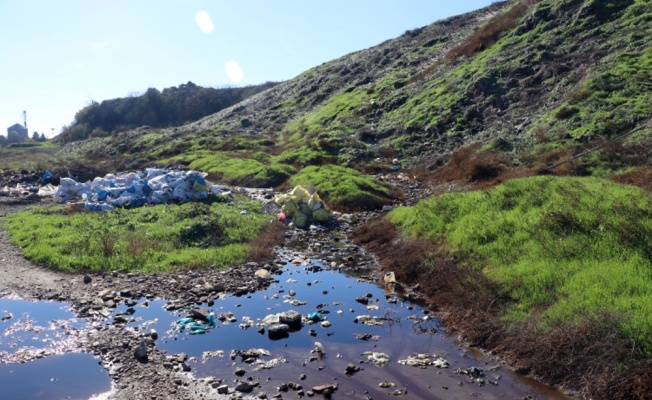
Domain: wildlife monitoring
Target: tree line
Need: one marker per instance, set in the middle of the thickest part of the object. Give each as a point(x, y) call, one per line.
point(173, 106)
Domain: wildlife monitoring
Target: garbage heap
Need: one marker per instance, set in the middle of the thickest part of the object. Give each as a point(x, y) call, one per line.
point(301, 206)
point(135, 189)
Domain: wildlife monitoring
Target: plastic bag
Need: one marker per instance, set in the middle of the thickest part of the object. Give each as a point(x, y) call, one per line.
point(300, 194)
point(314, 202)
point(320, 215)
point(289, 208)
point(300, 219)
point(200, 187)
point(303, 207)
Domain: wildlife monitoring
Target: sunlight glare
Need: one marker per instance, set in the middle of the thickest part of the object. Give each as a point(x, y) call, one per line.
point(233, 71)
point(204, 21)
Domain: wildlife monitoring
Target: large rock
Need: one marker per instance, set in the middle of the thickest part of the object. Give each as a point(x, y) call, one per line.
point(291, 318)
point(278, 331)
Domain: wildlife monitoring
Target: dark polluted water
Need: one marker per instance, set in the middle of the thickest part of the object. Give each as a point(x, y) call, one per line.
point(383, 347)
point(382, 338)
point(38, 354)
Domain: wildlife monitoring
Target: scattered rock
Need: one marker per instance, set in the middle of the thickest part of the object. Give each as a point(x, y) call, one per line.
point(140, 352)
point(351, 369)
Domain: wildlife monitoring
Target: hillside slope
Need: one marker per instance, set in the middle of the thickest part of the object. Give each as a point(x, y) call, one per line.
point(537, 80)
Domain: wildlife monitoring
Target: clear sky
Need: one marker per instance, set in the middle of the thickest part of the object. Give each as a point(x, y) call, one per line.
point(58, 56)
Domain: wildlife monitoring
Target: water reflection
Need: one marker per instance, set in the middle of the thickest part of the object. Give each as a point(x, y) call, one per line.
point(34, 337)
point(364, 321)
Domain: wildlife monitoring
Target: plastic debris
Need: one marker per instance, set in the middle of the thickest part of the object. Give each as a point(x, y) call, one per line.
point(196, 324)
point(301, 206)
point(376, 358)
point(424, 361)
point(135, 189)
point(315, 317)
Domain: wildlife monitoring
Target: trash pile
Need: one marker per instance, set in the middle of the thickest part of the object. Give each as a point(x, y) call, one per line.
point(301, 206)
point(135, 189)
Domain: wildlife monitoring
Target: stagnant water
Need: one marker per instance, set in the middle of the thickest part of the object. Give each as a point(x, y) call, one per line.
point(401, 330)
point(45, 333)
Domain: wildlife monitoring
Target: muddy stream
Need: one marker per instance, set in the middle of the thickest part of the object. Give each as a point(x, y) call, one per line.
point(356, 337)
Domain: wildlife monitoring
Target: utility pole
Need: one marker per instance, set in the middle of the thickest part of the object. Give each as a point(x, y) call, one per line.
point(25, 119)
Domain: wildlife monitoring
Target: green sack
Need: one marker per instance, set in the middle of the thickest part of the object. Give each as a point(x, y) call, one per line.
point(320, 215)
point(289, 208)
point(303, 207)
point(300, 219)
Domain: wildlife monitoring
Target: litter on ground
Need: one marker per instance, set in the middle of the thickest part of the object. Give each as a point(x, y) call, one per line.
point(132, 189)
point(301, 206)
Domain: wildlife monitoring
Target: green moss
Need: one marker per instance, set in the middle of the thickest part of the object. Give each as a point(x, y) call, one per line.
point(343, 188)
point(244, 171)
point(561, 248)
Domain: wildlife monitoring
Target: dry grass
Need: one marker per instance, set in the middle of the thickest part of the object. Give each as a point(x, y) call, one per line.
point(641, 177)
point(489, 33)
point(261, 249)
point(469, 165)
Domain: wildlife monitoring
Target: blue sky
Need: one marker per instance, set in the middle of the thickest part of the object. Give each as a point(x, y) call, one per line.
point(58, 56)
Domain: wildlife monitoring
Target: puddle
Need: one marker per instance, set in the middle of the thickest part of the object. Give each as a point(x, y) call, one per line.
point(36, 329)
point(36, 341)
point(399, 330)
point(68, 376)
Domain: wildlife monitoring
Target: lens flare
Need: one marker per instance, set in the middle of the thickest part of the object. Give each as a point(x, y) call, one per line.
point(204, 21)
point(233, 71)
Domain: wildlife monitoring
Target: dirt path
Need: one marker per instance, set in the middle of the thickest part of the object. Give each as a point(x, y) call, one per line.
point(18, 276)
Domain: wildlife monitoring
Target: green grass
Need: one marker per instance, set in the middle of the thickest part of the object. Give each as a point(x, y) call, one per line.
point(561, 248)
point(149, 239)
point(343, 187)
point(244, 171)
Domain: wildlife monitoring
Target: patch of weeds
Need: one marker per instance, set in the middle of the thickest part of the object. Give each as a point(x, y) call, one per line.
point(149, 239)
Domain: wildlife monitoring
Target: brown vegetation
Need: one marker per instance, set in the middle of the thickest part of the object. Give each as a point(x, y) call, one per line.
point(261, 249)
point(641, 177)
point(481, 168)
point(489, 33)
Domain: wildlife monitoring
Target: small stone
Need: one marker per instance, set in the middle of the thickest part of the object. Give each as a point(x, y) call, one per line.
point(263, 275)
point(141, 351)
point(352, 369)
point(240, 371)
point(87, 279)
point(224, 389)
point(244, 387)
